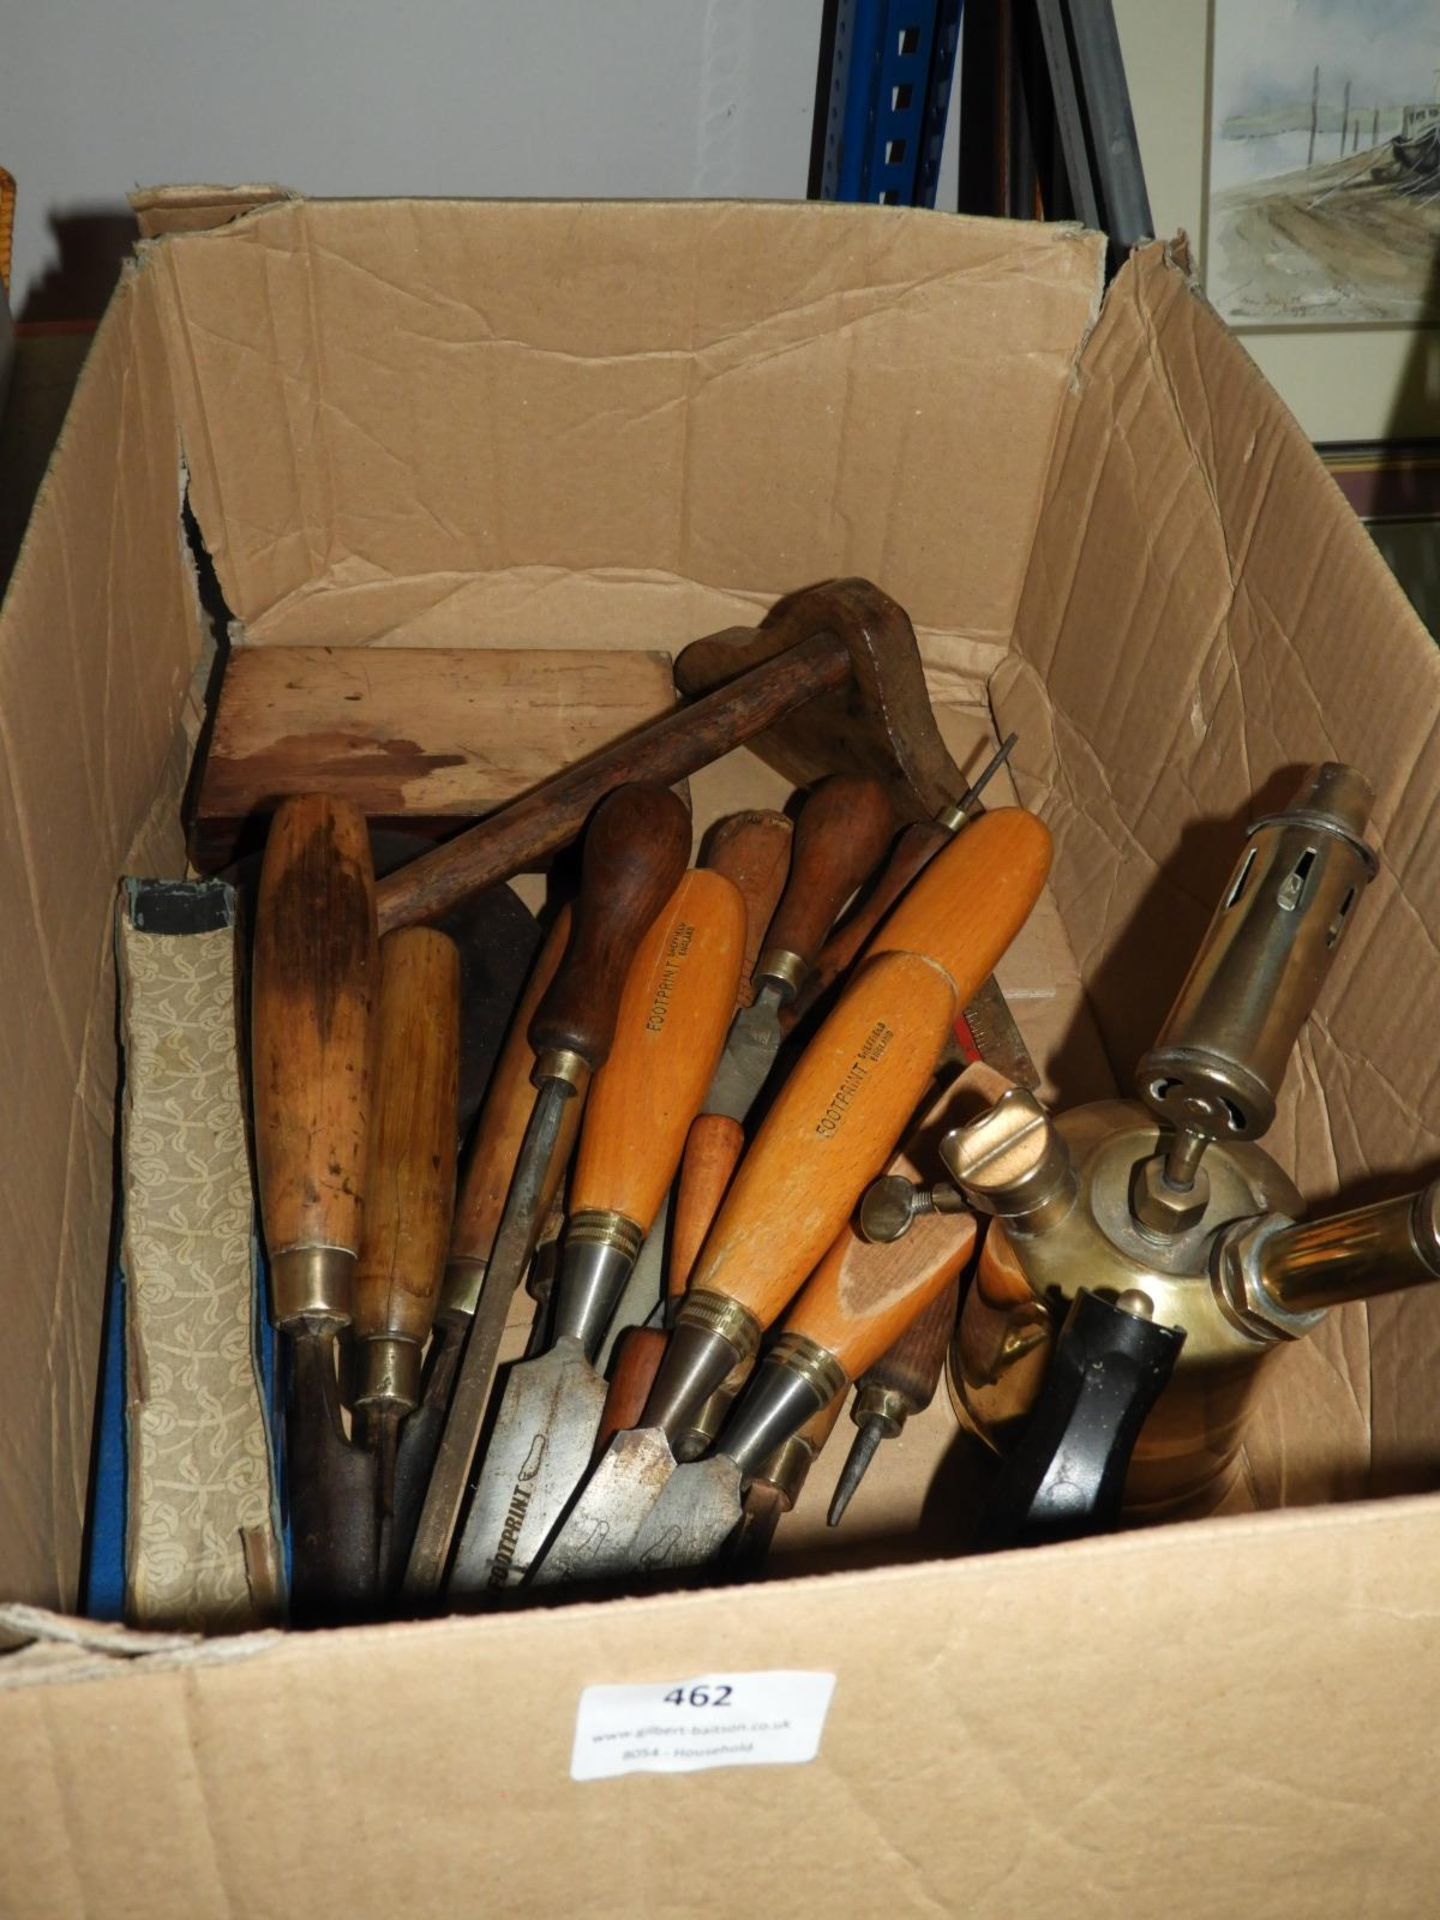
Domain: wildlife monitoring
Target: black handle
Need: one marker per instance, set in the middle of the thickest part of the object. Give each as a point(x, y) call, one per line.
point(1066, 1475)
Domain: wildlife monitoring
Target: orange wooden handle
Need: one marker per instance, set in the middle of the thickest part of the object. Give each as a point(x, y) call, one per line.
point(753, 850)
point(639, 1352)
point(712, 1154)
point(829, 1132)
point(972, 898)
point(861, 1298)
point(675, 1009)
point(503, 1119)
point(314, 975)
point(411, 1188)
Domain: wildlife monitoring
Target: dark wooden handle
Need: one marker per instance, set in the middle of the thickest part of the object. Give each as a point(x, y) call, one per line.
point(912, 1366)
point(636, 848)
point(753, 850)
point(913, 851)
point(410, 1194)
point(314, 974)
point(841, 836)
point(639, 1352)
point(525, 834)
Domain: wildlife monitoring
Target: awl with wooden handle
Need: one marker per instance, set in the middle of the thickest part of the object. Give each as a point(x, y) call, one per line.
point(901, 1383)
point(677, 1003)
point(830, 1130)
point(635, 851)
point(494, 1151)
point(410, 1193)
point(314, 978)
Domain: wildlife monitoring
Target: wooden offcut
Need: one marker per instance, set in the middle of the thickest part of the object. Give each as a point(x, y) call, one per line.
point(425, 738)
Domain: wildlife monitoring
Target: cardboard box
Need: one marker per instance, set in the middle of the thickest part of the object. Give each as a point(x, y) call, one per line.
point(528, 424)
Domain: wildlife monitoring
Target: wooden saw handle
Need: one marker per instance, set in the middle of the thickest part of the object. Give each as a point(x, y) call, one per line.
point(863, 1297)
point(410, 1193)
point(972, 898)
point(636, 848)
point(829, 1132)
point(508, 1101)
point(314, 973)
point(844, 828)
point(753, 850)
point(671, 1024)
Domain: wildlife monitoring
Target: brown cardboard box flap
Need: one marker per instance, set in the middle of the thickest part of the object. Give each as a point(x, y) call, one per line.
point(424, 444)
point(1195, 1722)
point(162, 210)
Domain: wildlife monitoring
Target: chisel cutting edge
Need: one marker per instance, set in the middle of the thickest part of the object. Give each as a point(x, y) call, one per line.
point(831, 1129)
point(677, 1002)
point(635, 851)
point(860, 1300)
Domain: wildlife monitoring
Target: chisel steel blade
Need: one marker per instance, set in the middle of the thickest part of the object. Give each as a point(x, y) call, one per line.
point(595, 1541)
point(696, 1513)
point(540, 1448)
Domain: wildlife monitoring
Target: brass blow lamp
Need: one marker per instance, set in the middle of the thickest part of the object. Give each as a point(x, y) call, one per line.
point(1154, 1236)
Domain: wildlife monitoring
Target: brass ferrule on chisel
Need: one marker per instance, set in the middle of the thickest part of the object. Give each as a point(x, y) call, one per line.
point(388, 1373)
point(559, 1063)
point(460, 1289)
point(311, 1284)
point(712, 1336)
point(788, 970)
point(797, 1378)
point(601, 1247)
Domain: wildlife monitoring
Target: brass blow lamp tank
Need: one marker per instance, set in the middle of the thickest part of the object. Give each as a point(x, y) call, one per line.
point(1153, 1235)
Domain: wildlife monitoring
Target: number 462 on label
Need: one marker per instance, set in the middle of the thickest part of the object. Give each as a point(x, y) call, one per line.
point(712, 1696)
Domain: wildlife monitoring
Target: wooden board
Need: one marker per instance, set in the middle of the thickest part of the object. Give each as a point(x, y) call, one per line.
point(425, 738)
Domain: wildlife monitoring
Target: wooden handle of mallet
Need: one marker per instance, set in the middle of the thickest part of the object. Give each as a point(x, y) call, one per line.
point(313, 981)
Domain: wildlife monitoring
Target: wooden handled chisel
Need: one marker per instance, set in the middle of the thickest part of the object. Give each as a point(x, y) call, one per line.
point(636, 848)
point(314, 978)
point(830, 1130)
point(860, 1300)
point(410, 1194)
point(843, 830)
point(676, 1006)
point(753, 850)
point(496, 1147)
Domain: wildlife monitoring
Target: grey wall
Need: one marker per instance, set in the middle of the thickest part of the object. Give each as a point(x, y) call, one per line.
point(542, 97)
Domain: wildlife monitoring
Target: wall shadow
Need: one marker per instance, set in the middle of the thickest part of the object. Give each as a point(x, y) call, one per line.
point(93, 245)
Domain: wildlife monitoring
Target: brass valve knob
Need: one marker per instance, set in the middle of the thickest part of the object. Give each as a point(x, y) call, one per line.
point(1013, 1162)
